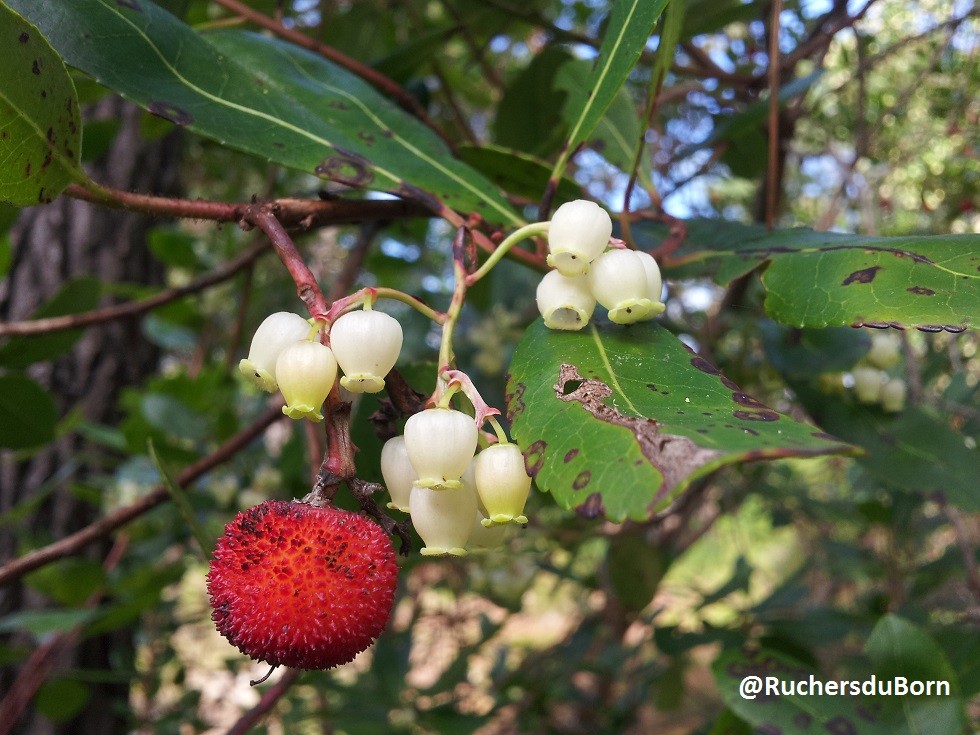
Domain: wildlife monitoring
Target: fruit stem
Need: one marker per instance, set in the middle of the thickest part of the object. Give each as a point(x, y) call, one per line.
point(523, 233)
point(368, 295)
point(498, 430)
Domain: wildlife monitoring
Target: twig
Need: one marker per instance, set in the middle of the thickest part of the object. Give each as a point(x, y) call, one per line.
point(272, 695)
point(74, 543)
point(372, 76)
point(307, 287)
point(772, 184)
point(133, 308)
point(302, 213)
point(967, 548)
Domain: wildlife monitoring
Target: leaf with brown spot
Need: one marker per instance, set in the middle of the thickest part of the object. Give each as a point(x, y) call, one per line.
point(826, 279)
point(596, 436)
point(39, 110)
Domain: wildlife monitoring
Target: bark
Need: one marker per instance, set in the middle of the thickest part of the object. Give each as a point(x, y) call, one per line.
point(52, 244)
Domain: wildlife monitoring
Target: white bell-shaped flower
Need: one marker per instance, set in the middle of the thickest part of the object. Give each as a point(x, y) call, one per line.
point(618, 280)
point(366, 345)
point(306, 372)
point(578, 232)
point(655, 283)
point(565, 302)
point(893, 395)
point(867, 384)
point(397, 472)
point(885, 350)
point(486, 535)
point(274, 334)
point(444, 520)
point(440, 443)
point(502, 483)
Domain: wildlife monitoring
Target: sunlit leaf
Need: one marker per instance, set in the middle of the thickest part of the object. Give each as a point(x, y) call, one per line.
point(824, 279)
point(40, 132)
point(266, 97)
point(618, 421)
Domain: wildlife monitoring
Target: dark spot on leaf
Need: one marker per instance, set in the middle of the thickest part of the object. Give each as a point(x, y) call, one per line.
point(592, 508)
point(954, 329)
point(47, 160)
point(665, 393)
point(767, 728)
point(824, 435)
point(729, 383)
point(706, 413)
point(704, 366)
point(386, 133)
point(337, 105)
point(581, 480)
point(166, 110)
point(865, 275)
point(931, 328)
point(680, 412)
point(753, 432)
point(868, 711)
point(569, 455)
point(921, 291)
point(278, 144)
point(408, 191)
point(131, 4)
point(652, 387)
point(366, 137)
point(23, 37)
point(515, 401)
point(27, 170)
point(50, 135)
point(744, 399)
point(36, 68)
point(346, 168)
point(42, 198)
point(534, 457)
point(756, 415)
point(44, 94)
point(701, 431)
point(840, 725)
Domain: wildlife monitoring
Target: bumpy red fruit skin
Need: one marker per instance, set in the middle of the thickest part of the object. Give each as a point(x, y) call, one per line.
point(296, 585)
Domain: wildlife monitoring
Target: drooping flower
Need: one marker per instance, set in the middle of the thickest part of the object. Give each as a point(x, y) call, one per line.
point(275, 333)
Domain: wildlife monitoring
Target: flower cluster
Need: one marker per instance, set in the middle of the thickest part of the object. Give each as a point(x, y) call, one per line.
point(626, 282)
point(286, 354)
point(457, 498)
point(872, 384)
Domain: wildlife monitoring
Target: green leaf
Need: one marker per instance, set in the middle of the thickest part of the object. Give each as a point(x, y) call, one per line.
point(40, 622)
point(822, 279)
point(616, 133)
point(914, 451)
point(630, 24)
point(810, 352)
point(40, 137)
point(182, 501)
point(790, 714)
point(61, 699)
point(519, 173)
point(266, 97)
point(27, 413)
point(635, 569)
point(619, 421)
point(899, 648)
point(77, 295)
point(68, 582)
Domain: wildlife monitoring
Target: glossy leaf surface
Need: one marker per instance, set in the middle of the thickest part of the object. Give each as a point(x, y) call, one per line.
point(40, 132)
point(265, 97)
point(823, 279)
point(618, 421)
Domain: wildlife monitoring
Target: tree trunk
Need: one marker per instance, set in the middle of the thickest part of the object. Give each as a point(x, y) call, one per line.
point(53, 244)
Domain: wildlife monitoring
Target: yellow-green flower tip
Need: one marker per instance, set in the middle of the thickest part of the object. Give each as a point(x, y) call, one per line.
point(630, 311)
point(301, 411)
point(499, 519)
point(438, 483)
point(363, 383)
point(395, 506)
point(257, 376)
point(568, 263)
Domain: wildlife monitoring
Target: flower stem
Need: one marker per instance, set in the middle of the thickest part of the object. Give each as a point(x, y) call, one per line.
point(523, 233)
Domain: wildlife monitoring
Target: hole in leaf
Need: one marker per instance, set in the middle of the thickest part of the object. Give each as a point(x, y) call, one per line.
point(570, 386)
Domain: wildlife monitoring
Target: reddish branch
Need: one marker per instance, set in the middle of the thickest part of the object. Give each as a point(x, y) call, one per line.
point(133, 308)
point(306, 286)
point(272, 695)
point(372, 76)
point(292, 213)
point(74, 543)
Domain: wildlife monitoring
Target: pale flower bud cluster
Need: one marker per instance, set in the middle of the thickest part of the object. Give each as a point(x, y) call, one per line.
point(287, 355)
point(457, 499)
point(626, 282)
point(872, 384)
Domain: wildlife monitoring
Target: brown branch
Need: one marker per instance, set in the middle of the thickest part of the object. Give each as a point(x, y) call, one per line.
point(74, 543)
point(376, 79)
point(133, 308)
point(772, 182)
point(272, 695)
point(307, 287)
point(292, 213)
